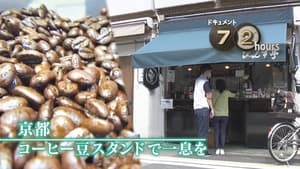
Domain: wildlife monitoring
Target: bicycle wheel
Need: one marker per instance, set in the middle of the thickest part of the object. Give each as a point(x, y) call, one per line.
point(282, 143)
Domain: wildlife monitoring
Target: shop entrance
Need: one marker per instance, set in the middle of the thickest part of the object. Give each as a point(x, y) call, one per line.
point(249, 112)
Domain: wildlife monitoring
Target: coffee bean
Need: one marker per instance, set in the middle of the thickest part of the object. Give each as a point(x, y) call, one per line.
point(80, 42)
point(28, 43)
point(51, 92)
point(41, 22)
point(13, 117)
point(67, 44)
point(12, 102)
point(67, 102)
point(5, 35)
point(29, 30)
point(29, 93)
point(97, 108)
point(24, 71)
point(109, 64)
point(81, 77)
point(46, 110)
point(44, 66)
point(16, 82)
point(86, 53)
point(61, 126)
point(54, 41)
point(43, 46)
point(116, 73)
point(108, 89)
point(3, 92)
point(83, 96)
point(74, 32)
point(76, 61)
point(65, 26)
point(16, 50)
point(13, 25)
point(42, 78)
point(43, 31)
point(52, 56)
point(99, 53)
point(7, 74)
point(67, 88)
point(105, 36)
point(67, 71)
point(30, 56)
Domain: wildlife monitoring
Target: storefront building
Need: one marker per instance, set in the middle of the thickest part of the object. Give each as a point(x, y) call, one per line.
point(179, 43)
point(184, 43)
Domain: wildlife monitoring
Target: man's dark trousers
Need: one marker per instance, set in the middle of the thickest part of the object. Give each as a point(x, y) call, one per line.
point(202, 122)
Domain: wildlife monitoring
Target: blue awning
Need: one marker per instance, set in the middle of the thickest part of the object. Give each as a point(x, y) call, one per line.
point(186, 42)
point(189, 47)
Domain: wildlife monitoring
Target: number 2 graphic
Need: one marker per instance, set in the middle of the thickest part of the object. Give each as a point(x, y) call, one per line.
point(247, 38)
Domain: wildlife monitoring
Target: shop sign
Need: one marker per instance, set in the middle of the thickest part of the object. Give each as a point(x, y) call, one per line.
point(221, 37)
point(262, 51)
point(217, 22)
point(226, 36)
point(151, 78)
point(246, 37)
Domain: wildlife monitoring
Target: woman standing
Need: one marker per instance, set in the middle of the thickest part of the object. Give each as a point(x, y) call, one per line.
point(221, 115)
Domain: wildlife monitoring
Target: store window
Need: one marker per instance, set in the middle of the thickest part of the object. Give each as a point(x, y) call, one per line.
point(262, 77)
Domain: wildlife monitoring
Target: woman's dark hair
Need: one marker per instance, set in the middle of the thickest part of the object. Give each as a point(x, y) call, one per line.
point(220, 85)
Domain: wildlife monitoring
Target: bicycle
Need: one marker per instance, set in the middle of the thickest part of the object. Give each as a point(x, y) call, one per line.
point(283, 141)
point(284, 137)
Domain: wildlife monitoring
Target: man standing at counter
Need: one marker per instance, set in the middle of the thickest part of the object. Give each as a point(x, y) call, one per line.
point(203, 108)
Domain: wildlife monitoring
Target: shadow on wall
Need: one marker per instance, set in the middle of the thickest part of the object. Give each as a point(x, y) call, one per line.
point(16, 4)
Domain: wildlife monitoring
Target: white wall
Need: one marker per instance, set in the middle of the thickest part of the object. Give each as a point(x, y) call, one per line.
point(297, 15)
point(148, 120)
point(118, 7)
point(172, 3)
point(148, 117)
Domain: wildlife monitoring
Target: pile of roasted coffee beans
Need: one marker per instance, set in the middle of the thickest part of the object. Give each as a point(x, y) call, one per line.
point(65, 72)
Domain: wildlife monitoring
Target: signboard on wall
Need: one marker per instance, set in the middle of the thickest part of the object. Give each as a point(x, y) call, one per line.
point(151, 78)
point(166, 103)
point(247, 38)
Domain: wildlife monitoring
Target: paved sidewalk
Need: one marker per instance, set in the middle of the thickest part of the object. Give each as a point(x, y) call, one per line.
point(235, 157)
point(150, 162)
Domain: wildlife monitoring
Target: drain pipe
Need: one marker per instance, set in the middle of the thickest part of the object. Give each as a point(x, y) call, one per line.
point(156, 21)
point(296, 60)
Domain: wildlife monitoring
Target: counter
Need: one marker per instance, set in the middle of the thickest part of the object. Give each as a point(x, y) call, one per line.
point(239, 112)
point(180, 120)
point(250, 120)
